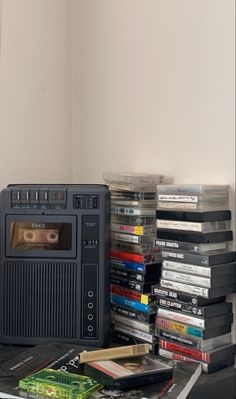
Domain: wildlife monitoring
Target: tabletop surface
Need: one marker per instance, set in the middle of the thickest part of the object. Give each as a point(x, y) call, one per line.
point(218, 385)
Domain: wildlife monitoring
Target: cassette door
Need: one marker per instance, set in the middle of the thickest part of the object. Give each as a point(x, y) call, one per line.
point(40, 236)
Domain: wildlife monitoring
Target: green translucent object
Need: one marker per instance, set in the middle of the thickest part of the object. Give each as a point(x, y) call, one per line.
point(59, 385)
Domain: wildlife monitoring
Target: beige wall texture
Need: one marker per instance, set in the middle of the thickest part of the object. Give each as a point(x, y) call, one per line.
point(35, 92)
point(153, 88)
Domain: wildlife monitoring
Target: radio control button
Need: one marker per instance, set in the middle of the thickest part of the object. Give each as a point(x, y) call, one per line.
point(79, 201)
point(15, 196)
point(57, 197)
point(25, 196)
point(43, 196)
point(34, 196)
point(93, 202)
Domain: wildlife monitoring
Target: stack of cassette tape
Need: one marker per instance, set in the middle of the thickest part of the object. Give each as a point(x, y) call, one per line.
point(135, 261)
point(198, 270)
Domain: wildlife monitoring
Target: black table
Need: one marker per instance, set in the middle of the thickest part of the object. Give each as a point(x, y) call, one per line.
point(218, 385)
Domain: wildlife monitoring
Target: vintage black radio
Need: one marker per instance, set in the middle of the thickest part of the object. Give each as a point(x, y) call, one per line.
point(54, 264)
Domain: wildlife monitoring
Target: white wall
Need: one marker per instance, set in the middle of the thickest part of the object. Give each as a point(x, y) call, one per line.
point(35, 92)
point(153, 88)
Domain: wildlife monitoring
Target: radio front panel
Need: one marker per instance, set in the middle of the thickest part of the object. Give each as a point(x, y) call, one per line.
point(55, 264)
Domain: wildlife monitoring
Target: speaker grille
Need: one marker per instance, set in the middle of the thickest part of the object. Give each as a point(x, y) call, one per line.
point(40, 300)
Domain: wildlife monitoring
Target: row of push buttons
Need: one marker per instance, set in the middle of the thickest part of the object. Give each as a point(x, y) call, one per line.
point(35, 196)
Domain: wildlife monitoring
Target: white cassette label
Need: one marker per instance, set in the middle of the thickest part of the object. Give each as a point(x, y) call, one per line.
point(187, 278)
point(180, 317)
point(167, 244)
point(179, 225)
point(126, 238)
point(177, 198)
point(166, 254)
point(187, 268)
point(133, 211)
point(189, 289)
point(176, 205)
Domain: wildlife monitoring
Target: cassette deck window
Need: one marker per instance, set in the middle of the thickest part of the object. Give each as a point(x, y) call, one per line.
point(32, 235)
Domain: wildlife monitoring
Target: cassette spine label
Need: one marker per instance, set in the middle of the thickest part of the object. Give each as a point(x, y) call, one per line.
point(178, 356)
point(185, 340)
point(136, 333)
point(126, 321)
point(190, 289)
point(181, 306)
point(133, 285)
point(143, 317)
point(127, 274)
point(198, 355)
point(130, 294)
point(178, 198)
point(183, 297)
point(188, 246)
point(140, 267)
point(186, 278)
point(179, 225)
point(181, 317)
point(124, 301)
point(138, 230)
point(187, 268)
point(199, 259)
point(126, 256)
point(203, 345)
point(133, 211)
point(179, 327)
point(126, 237)
point(177, 205)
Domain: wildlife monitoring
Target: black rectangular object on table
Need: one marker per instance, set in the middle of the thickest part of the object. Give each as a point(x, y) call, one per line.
point(54, 270)
point(208, 216)
point(189, 236)
point(140, 371)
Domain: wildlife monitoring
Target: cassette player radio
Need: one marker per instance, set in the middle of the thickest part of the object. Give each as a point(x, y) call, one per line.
point(54, 264)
